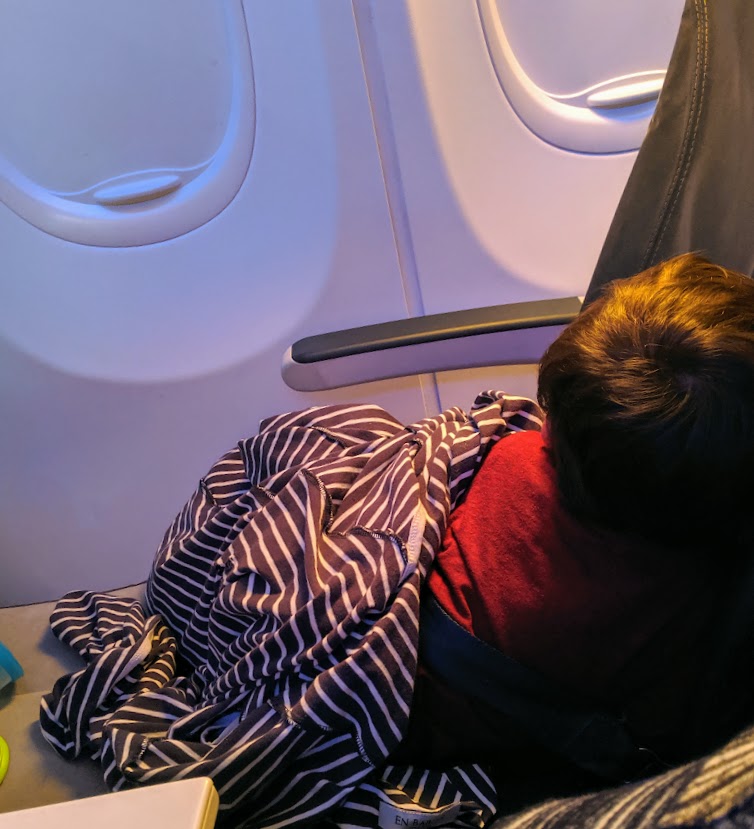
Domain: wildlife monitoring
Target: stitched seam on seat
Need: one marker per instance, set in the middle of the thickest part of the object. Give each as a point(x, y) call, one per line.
point(690, 135)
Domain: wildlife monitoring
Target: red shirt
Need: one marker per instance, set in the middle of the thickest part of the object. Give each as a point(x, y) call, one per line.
point(612, 617)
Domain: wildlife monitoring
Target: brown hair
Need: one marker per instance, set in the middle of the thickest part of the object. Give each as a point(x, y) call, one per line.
point(649, 396)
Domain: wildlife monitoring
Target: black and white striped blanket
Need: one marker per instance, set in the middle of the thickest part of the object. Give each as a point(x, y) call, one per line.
point(277, 650)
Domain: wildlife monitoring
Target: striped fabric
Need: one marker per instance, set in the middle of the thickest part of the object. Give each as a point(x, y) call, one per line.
point(715, 791)
point(277, 650)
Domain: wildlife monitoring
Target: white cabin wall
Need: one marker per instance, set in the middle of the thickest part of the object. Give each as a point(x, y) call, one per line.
point(386, 173)
point(497, 212)
point(127, 370)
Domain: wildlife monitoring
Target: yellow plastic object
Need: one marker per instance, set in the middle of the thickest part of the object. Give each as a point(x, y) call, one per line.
point(4, 758)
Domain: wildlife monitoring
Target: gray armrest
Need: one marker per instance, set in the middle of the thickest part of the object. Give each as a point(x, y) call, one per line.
point(497, 335)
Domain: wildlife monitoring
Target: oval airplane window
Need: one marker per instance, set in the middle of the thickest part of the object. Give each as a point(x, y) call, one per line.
point(123, 124)
point(582, 75)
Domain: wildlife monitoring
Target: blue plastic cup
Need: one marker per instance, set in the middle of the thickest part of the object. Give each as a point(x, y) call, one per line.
point(10, 670)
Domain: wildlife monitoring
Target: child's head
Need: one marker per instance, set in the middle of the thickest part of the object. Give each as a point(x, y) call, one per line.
point(649, 396)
